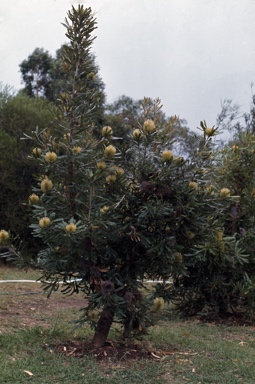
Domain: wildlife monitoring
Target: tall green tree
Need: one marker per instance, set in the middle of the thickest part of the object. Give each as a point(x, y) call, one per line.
point(47, 77)
point(35, 73)
point(110, 217)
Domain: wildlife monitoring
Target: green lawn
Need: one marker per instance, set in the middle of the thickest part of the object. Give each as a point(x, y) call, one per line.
point(175, 351)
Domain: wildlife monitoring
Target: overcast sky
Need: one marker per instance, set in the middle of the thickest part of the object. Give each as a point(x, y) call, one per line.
point(190, 53)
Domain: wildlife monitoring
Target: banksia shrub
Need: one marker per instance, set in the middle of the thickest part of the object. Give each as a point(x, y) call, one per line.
point(110, 218)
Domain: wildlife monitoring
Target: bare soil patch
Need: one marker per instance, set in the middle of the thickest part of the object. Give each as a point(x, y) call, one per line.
point(25, 305)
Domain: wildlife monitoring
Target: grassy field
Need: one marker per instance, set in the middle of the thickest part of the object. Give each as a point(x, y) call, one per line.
point(38, 345)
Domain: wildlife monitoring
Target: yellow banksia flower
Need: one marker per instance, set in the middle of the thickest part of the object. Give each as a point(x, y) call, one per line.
point(50, 157)
point(137, 134)
point(76, 149)
point(105, 209)
point(33, 199)
point(167, 156)
point(178, 258)
point(46, 184)
point(224, 192)
point(36, 152)
point(235, 148)
point(106, 131)
point(209, 131)
point(110, 151)
point(149, 126)
point(4, 235)
point(101, 165)
point(193, 185)
point(158, 304)
point(66, 136)
point(70, 227)
point(118, 171)
point(110, 179)
point(44, 222)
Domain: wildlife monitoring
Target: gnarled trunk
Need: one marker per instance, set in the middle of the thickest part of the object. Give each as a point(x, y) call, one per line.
point(103, 327)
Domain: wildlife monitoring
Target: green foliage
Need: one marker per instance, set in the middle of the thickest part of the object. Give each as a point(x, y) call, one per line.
point(35, 73)
point(126, 114)
point(220, 278)
point(115, 208)
point(47, 77)
point(19, 115)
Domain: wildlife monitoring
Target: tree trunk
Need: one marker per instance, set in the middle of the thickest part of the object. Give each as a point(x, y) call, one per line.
point(103, 328)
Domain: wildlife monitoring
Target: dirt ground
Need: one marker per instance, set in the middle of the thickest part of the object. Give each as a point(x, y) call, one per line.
point(24, 305)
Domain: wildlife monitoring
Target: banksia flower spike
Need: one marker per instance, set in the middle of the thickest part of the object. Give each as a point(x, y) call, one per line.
point(44, 222)
point(4, 235)
point(224, 192)
point(158, 304)
point(33, 199)
point(70, 227)
point(51, 157)
point(209, 131)
point(106, 131)
point(167, 156)
point(46, 184)
point(36, 152)
point(101, 165)
point(76, 149)
point(137, 134)
point(149, 126)
point(110, 151)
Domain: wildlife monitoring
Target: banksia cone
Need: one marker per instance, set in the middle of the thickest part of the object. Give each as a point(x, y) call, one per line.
point(167, 156)
point(37, 152)
point(158, 304)
point(70, 227)
point(137, 134)
point(210, 131)
point(33, 199)
point(50, 157)
point(149, 126)
point(110, 151)
point(44, 222)
point(101, 165)
point(106, 131)
point(224, 192)
point(76, 149)
point(4, 235)
point(46, 184)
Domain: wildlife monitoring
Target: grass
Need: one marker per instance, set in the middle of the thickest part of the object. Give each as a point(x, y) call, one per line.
point(183, 351)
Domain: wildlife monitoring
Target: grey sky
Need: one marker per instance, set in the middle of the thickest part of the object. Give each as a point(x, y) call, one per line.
point(190, 53)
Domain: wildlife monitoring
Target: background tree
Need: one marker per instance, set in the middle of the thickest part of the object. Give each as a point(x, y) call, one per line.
point(126, 114)
point(19, 115)
point(35, 74)
point(46, 76)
